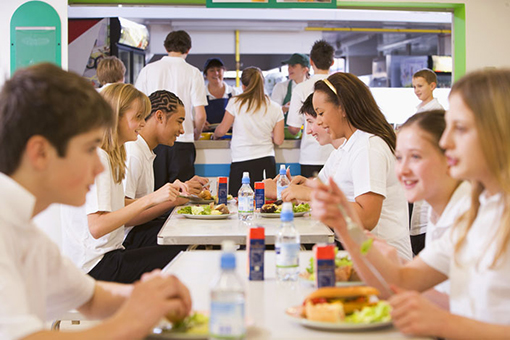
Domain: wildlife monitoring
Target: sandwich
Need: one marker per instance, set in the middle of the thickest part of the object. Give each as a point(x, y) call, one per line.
point(334, 304)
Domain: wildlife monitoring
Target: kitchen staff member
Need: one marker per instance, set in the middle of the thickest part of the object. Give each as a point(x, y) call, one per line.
point(218, 92)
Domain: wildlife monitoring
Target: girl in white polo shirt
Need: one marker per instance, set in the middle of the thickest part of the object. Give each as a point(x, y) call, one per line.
point(474, 255)
point(365, 167)
point(257, 123)
point(94, 233)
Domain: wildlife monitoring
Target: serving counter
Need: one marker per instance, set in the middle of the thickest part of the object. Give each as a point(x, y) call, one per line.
point(213, 157)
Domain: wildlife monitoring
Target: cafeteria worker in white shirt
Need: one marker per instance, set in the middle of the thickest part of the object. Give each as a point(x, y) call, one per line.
point(257, 124)
point(345, 108)
point(475, 254)
point(94, 233)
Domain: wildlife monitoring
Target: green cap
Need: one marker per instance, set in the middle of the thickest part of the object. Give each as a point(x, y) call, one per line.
point(298, 58)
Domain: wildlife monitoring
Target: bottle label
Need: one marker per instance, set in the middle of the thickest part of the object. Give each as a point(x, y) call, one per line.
point(245, 204)
point(279, 190)
point(325, 273)
point(260, 199)
point(227, 320)
point(222, 193)
point(287, 255)
point(256, 249)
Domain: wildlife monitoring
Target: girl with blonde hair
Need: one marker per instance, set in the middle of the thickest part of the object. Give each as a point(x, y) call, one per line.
point(474, 255)
point(257, 123)
point(94, 233)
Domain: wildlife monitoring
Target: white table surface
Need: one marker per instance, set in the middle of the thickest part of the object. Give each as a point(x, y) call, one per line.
point(266, 300)
point(181, 230)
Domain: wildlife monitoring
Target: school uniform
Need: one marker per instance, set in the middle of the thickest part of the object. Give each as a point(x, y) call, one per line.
point(312, 155)
point(477, 291)
point(330, 167)
point(37, 284)
point(366, 164)
point(174, 74)
point(252, 147)
point(282, 92)
point(430, 106)
point(106, 258)
point(215, 108)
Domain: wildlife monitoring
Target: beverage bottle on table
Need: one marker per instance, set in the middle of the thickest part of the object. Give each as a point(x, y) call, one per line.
point(227, 319)
point(245, 199)
point(282, 182)
point(287, 246)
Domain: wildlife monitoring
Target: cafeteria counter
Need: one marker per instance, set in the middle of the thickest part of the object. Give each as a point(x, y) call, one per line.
point(213, 157)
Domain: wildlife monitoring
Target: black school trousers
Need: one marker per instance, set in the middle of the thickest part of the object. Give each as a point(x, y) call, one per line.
point(174, 162)
point(309, 170)
point(255, 167)
point(141, 255)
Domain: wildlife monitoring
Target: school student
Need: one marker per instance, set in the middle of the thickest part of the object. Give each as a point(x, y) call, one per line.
point(365, 171)
point(52, 123)
point(257, 123)
point(110, 70)
point(474, 253)
point(162, 126)
point(94, 233)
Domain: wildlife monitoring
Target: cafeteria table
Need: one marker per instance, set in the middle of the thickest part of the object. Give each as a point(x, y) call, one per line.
point(266, 301)
point(181, 230)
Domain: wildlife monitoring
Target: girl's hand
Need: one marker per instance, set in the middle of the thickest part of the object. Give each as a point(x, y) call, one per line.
point(181, 187)
point(413, 314)
point(296, 193)
point(298, 180)
point(166, 193)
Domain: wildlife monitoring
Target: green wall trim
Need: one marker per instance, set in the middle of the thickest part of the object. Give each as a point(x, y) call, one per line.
point(137, 2)
point(32, 44)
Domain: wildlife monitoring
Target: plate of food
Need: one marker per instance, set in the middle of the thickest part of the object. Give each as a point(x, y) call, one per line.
point(273, 210)
point(204, 197)
point(205, 212)
point(342, 309)
point(195, 326)
point(230, 198)
point(345, 274)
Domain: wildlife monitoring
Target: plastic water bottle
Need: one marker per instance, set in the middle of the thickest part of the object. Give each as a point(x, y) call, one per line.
point(245, 199)
point(287, 246)
point(227, 319)
point(282, 182)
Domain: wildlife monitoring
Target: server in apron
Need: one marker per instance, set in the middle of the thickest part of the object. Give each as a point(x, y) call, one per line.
point(299, 67)
point(218, 92)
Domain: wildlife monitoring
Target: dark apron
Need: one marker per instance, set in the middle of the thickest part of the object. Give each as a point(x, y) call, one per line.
point(215, 109)
point(287, 99)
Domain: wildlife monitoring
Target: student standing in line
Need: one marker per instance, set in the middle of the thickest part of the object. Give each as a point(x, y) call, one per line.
point(424, 84)
point(94, 233)
point(174, 74)
point(312, 155)
point(474, 255)
point(365, 171)
point(110, 70)
point(218, 92)
point(299, 68)
point(162, 126)
point(257, 123)
point(53, 122)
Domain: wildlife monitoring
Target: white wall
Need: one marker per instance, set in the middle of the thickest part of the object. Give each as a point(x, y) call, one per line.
point(7, 9)
point(487, 27)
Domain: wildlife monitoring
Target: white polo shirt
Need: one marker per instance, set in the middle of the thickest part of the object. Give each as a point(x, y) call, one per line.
point(432, 105)
point(37, 284)
point(366, 164)
point(139, 179)
point(280, 91)
point(311, 153)
point(174, 74)
point(228, 90)
point(329, 169)
point(458, 204)
point(477, 291)
point(77, 242)
point(252, 131)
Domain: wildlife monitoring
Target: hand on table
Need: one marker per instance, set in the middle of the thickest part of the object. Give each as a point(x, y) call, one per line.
point(156, 295)
point(413, 314)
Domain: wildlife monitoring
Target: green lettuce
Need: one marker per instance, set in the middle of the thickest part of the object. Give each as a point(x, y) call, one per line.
point(185, 210)
point(370, 314)
point(196, 323)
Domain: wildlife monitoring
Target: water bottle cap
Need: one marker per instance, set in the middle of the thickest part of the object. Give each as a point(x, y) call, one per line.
point(283, 171)
point(228, 261)
point(228, 246)
point(287, 213)
point(246, 178)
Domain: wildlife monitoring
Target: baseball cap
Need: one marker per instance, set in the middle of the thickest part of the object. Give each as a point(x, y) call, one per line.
point(298, 58)
point(213, 62)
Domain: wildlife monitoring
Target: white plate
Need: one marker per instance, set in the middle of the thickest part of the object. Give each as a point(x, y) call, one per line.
point(294, 313)
point(277, 215)
point(207, 217)
point(311, 283)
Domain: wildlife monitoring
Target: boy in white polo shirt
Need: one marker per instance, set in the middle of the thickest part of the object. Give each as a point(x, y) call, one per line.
point(162, 126)
point(52, 123)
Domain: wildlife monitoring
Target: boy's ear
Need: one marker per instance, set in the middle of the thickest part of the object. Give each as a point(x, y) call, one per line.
point(38, 150)
point(433, 85)
point(160, 116)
